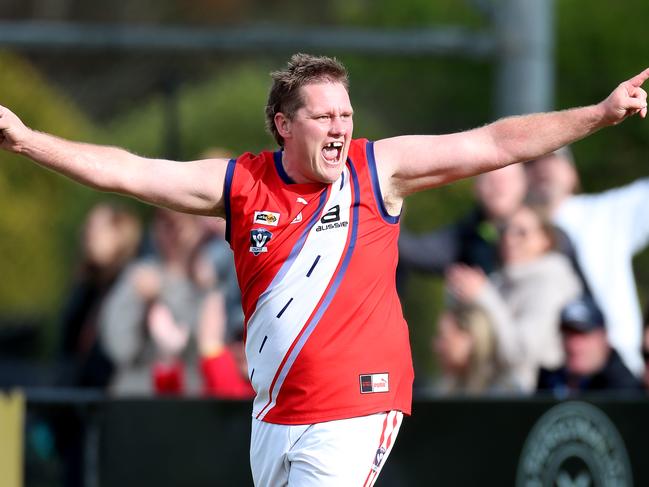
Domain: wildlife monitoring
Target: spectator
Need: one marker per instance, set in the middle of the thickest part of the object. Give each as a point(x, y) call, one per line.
point(466, 350)
point(149, 319)
point(524, 299)
point(109, 240)
point(591, 363)
point(217, 251)
point(590, 221)
point(473, 240)
point(223, 366)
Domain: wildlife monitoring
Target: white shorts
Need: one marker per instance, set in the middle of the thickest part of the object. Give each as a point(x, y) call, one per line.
point(347, 452)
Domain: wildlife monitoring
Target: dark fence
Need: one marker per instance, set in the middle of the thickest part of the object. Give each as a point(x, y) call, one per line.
point(447, 442)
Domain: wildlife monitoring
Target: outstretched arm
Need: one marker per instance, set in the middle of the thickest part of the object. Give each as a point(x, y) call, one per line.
point(193, 187)
point(414, 163)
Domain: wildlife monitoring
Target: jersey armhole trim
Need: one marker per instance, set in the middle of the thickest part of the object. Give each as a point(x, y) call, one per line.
point(227, 193)
point(376, 188)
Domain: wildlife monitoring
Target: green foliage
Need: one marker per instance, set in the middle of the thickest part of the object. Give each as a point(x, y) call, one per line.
point(413, 13)
point(35, 204)
point(225, 112)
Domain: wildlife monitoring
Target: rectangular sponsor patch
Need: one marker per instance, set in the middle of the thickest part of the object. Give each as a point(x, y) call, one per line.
point(374, 383)
point(266, 218)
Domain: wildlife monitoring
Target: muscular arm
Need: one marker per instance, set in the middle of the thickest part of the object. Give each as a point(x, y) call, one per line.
point(193, 187)
point(409, 164)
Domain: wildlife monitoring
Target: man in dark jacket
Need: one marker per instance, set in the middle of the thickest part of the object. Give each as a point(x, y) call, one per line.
point(591, 363)
point(473, 240)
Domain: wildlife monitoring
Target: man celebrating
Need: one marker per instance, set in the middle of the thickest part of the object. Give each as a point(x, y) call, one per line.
point(314, 230)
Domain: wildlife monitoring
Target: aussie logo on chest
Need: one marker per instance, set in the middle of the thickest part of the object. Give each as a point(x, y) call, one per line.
point(331, 220)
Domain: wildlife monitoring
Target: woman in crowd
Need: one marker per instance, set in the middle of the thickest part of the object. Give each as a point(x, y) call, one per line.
point(150, 317)
point(523, 300)
point(466, 350)
point(109, 241)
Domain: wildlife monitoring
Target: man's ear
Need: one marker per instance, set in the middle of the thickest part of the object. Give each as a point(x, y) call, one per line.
point(283, 125)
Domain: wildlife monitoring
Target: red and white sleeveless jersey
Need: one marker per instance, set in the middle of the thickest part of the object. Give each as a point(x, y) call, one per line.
point(325, 335)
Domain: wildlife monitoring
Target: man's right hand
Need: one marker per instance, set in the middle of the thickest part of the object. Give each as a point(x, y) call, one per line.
point(13, 133)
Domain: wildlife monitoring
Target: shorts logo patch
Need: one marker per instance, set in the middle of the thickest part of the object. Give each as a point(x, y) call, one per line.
point(259, 238)
point(371, 383)
point(378, 458)
point(266, 218)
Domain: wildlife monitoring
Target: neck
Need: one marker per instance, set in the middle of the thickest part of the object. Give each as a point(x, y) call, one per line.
point(290, 166)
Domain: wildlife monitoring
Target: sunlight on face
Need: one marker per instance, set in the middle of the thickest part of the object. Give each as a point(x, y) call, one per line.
point(317, 138)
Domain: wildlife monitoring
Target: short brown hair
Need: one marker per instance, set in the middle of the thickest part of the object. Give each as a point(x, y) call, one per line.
point(302, 69)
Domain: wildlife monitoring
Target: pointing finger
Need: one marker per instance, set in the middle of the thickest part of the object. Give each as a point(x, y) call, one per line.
point(638, 79)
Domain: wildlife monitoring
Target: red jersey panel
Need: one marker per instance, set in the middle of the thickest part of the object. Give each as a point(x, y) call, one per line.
point(325, 336)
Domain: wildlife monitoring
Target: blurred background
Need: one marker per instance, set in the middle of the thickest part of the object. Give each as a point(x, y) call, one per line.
point(180, 102)
point(177, 78)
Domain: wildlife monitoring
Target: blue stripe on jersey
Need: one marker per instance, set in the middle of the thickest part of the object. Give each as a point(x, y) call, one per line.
point(227, 186)
point(328, 297)
point(315, 263)
point(376, 187)
point(279, 315)
point(277, 157)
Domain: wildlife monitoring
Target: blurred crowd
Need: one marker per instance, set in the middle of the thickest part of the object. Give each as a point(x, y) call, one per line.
point(539, 288)
point(539, 294)
point(154, 312)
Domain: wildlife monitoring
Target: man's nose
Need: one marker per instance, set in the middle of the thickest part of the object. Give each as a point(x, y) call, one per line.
point(337, 126)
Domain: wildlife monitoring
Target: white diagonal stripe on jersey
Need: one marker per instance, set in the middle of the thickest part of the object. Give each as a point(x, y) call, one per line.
point(327, 299)
point(306, 292)
point(324, 304)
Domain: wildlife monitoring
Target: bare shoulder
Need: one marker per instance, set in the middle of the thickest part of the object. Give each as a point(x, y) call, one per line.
point(406, 163)
point(211, 176)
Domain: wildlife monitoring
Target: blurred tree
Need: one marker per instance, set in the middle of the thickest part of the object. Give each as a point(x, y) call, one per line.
point(39, 208)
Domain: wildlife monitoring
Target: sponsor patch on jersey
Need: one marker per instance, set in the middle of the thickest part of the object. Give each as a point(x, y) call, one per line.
point(331, 219)
point(259, 238)
point(374, 383)
point(266, 218)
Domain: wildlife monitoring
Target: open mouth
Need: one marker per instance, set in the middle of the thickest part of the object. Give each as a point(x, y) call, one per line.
point(332, 152)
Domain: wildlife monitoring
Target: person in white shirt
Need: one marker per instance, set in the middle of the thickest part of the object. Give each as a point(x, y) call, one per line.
point(606, 230)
